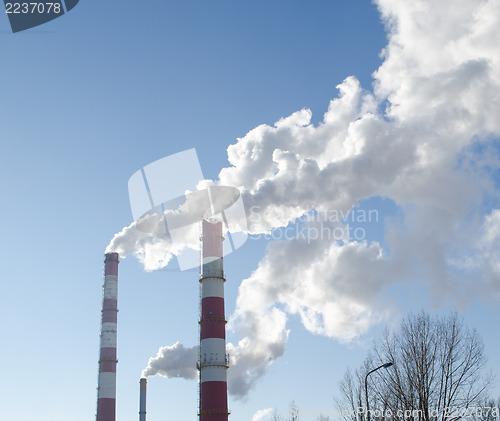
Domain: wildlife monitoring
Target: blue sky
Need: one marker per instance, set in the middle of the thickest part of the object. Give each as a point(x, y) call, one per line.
point(91, 97)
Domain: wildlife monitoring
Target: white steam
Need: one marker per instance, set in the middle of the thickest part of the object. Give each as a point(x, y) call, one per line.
point(418, 139)
point(173, 361)
point(262, 414)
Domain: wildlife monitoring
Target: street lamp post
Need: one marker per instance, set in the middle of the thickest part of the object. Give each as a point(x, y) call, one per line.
point(386, 365)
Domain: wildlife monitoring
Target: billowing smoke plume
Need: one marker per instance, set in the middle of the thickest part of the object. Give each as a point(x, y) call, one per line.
point(154, 250)
point(424, 138)
point(173, 361)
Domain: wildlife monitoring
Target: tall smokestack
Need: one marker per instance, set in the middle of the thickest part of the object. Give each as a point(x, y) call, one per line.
point(213, 362)
point(142, 400)
point(106, 389)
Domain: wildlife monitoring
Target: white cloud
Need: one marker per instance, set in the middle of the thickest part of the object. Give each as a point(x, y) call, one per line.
point(440, 79)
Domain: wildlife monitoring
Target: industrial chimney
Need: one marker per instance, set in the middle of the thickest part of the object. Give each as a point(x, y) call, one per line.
point(106, 388)
point(142, 400)
point(214, 362)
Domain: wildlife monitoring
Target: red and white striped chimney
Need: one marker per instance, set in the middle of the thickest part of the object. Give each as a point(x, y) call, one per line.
point(213, 362)
point(106, 389)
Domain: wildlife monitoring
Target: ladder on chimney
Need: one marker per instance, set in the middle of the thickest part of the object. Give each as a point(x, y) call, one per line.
point(199, 358)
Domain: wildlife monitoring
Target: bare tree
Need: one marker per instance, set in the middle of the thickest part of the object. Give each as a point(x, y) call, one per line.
point(276, 416)
point(293, 414)
point(352, 393)
point(293, 411)
point(439, 365)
